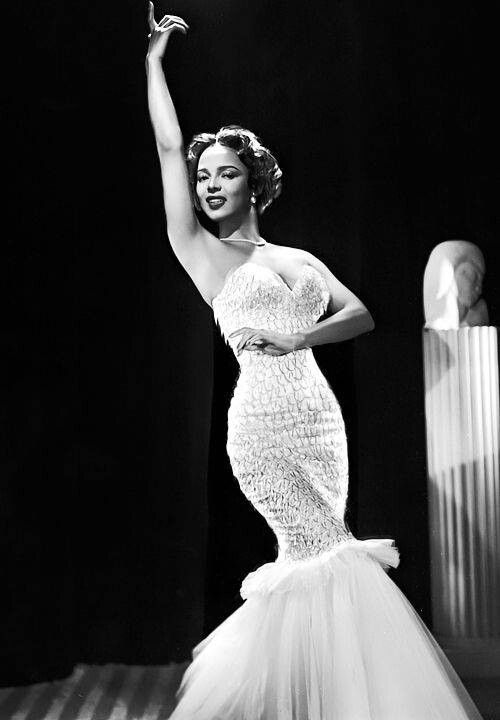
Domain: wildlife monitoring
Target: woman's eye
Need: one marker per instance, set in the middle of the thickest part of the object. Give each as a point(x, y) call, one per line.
point(201, 178)
point(228, 175)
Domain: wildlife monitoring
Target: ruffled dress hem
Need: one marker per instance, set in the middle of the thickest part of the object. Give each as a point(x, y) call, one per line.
point(327, 638)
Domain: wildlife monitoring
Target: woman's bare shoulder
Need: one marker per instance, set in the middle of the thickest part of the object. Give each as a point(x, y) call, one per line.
point(284, 252)
point(307, 257)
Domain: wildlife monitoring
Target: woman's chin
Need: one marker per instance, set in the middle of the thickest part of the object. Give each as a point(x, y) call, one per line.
point(216, 215)
point(222, 214)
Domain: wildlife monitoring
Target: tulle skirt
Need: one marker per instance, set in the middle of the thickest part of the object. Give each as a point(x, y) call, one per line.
point(328, 638)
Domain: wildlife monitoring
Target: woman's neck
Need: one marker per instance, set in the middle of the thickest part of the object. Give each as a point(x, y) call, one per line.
point(246, 228)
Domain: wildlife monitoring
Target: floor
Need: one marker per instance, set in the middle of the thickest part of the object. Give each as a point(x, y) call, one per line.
point(93, 692)
point(119, 692)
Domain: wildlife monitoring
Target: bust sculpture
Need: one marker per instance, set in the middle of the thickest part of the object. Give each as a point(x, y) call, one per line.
point(453, 281)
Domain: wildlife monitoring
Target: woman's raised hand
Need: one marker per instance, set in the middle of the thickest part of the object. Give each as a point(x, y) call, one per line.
point(160, 32)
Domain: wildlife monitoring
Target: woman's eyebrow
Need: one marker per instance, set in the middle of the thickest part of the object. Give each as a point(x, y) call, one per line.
point(221, 167)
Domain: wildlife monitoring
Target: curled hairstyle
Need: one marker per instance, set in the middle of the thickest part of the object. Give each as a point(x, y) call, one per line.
point(264, 174)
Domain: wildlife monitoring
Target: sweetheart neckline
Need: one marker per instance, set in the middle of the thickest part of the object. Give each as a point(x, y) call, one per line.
point(230, 274)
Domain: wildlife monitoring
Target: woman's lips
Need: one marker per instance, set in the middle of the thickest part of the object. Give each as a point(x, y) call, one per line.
point(216, 202)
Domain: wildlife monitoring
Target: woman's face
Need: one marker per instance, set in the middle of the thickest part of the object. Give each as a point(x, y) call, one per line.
point(222, 183)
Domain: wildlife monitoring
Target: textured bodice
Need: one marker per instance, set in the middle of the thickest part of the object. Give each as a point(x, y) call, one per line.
point(255, 296)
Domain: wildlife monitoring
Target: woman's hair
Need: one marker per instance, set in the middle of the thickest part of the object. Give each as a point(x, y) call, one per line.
point(264, 174)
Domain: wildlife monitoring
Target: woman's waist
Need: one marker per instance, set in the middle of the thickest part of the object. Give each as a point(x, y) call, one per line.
point(256, 364)
point(281, 372)
point(287, 400)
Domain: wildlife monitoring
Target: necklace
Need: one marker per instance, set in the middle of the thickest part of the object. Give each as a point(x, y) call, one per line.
point(260, 242)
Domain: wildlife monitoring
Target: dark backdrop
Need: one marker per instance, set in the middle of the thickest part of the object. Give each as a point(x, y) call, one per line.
point(114, 477)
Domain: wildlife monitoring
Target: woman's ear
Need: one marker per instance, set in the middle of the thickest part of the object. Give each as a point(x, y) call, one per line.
point(255, 187)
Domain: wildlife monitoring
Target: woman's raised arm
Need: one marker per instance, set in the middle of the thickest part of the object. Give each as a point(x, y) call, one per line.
point(183, 226)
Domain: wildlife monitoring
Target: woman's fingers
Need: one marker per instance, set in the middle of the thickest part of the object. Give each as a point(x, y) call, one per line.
point(173, 26)
point(243, 341)
point(250, 338)
point(168, 26)
point(174, 19)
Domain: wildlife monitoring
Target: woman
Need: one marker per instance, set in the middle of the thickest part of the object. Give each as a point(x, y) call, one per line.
point(324, 633)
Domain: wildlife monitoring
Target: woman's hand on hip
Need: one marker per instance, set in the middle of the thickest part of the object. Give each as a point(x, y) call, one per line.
point(271, 343)
point(160, 32)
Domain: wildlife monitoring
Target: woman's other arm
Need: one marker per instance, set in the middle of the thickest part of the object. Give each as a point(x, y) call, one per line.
point(350, 316)
point(184, 230)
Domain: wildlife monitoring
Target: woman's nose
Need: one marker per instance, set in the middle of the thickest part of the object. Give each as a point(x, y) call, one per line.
point(213, 186)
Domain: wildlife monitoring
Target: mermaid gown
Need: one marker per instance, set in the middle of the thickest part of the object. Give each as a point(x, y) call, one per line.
point(324, 633)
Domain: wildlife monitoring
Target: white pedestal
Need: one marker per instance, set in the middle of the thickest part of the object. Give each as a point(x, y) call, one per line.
point(462, 420)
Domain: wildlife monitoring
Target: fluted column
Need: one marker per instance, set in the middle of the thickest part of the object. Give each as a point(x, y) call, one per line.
point(462, 424)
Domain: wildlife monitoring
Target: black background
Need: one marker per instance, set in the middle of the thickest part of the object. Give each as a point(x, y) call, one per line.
point(114, 477)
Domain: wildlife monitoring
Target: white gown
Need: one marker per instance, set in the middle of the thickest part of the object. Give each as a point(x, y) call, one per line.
point(324, 633)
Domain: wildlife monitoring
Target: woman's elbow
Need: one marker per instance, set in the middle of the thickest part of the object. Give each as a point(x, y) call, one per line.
point(368, 321)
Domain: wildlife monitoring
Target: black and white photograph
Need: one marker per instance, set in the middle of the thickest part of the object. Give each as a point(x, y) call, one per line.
point(250, 413)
